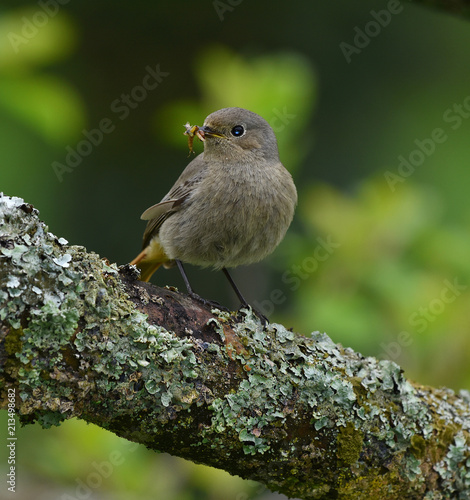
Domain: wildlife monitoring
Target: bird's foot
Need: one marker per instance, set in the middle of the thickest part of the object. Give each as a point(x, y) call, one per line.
point(208, 303)
point(264, 320)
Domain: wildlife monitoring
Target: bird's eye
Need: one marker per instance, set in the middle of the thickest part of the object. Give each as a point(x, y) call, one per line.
point(238, 130)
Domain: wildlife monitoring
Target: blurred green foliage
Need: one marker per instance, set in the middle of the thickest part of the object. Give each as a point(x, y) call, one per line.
point(45, 103)
point(382, 269)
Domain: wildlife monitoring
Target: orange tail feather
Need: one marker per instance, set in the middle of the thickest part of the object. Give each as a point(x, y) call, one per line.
point(149, 260)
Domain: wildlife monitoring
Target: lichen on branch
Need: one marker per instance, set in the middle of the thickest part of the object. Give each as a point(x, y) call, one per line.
point(83, 338)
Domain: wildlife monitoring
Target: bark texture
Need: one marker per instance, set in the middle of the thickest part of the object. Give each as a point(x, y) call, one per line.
point(304, 416)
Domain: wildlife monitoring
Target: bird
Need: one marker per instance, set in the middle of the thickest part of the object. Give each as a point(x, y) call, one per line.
point(231, 206)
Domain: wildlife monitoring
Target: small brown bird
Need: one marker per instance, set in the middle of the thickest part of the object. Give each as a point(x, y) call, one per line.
point(231, 206)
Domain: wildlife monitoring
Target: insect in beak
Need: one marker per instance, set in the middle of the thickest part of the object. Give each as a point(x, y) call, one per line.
point(192, 131)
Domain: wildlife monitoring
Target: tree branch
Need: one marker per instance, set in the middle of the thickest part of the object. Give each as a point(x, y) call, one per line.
point(80, 338)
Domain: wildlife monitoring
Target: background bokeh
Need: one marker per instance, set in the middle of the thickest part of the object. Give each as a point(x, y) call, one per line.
point(375, 130)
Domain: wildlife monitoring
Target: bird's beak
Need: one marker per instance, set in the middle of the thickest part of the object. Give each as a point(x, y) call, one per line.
point(210, 132)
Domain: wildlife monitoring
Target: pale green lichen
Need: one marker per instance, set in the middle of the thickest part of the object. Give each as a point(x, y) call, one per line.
point(281, 364)
point(47, 290)
point(57, 296)
point(454, 468)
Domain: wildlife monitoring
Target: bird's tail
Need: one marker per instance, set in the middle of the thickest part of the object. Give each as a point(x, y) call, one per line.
point(149, 260)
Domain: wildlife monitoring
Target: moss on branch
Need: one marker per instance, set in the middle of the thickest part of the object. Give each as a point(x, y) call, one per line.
point(307, 417)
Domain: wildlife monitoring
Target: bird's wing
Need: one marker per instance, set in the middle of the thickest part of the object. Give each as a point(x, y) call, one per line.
point(157, 210)
point(158, 214)
point(174, 199)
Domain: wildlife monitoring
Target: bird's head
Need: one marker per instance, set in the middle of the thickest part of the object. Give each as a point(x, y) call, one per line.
point(232, 133)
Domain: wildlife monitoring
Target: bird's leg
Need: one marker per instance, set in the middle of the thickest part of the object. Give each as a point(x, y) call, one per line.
point(185, 278)
point(192, 293)
point(235, 288)
point(262, 317)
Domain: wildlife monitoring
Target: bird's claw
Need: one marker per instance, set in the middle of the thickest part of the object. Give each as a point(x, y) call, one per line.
point(208, 303)
point(264, 320)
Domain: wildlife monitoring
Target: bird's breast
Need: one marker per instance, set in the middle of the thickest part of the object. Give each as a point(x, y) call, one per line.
point(234, 217)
